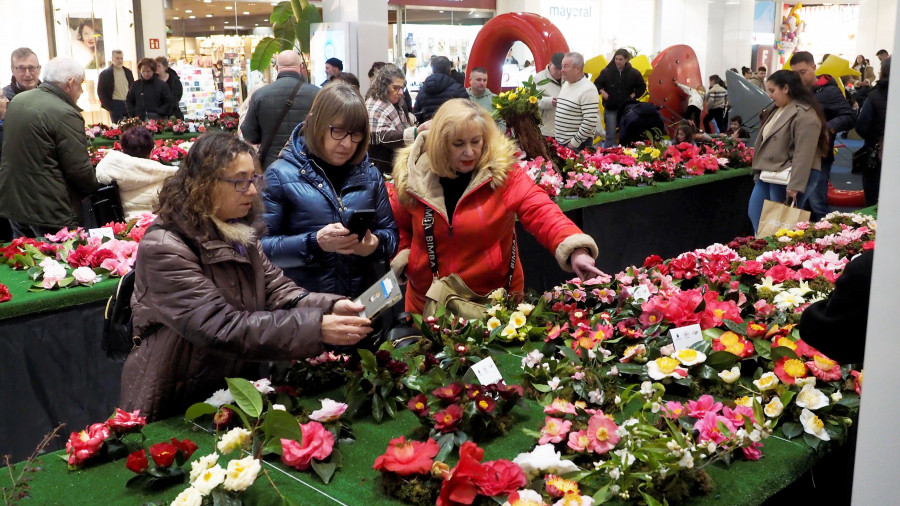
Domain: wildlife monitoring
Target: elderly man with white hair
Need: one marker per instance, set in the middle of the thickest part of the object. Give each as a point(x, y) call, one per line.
point(277, 108)
point(577, 106)
point(45, 177)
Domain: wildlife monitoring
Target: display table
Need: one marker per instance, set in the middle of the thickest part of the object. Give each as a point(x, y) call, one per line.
point(169, 136)
point(744, 483)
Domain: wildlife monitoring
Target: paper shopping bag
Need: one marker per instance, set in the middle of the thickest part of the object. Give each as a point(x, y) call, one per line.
point(776, 216)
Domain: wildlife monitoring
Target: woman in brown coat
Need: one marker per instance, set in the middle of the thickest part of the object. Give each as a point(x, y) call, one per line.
point(792, 138)
point(214, 303)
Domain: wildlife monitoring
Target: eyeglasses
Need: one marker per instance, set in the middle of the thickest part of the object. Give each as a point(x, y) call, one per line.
point(242, 185)
point(30, 68)
point(340, 134)
point(397, 87)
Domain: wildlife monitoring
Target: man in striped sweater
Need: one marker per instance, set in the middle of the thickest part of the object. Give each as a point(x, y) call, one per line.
point(577, 106)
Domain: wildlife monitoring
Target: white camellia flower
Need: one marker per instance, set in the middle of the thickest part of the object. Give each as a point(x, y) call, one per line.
point(492, 311)
point(646, 389)
point(188, 497)
point(811, 399)
point(220, 397)
point(804, 382)
point(497, 295)
point(689, 357)
point(331, 411)
point(525, 308)
point(544, 459)
point(554, 383)
point(264, 386)
point(85, 275)
point(774, 408)
point(788, 300)
point(768, 282)
point(574, 500)
point(836, 397)
point(730, 375)
point(527, 496)
point(766, 382)
point(509, 332)
point(209, 479)
point(517, 319)
point(278, 407)
point(533, 358)
point(235, 439)
point(665, 367)
point(493, 323)
point(596, 396)
point(813, 425)
point(202, 464)
point(241, 473)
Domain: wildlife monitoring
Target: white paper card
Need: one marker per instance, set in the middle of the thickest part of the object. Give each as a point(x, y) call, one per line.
point(101, 232)
point(486, 371)
point(639, 293)
point(685, 337)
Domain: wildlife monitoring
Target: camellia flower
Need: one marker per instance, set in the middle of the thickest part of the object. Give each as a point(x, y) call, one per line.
point(235, 439)
point(532, 359)
point(85, 275)
point(673, 410)
point(407, 457)
point(137, 461)
point(186, 447)
point(554, 430)
point(123, 421)
point(579, 441)
point(635, 352)
point(447, 420)
point(209, 479)
point(493, 323)
point(449, 392)
point(509, 332)
point(526, 497)
point(730, 375)
point(200, 465)
point(602, 433)
point(240, 474)
point(220, 397)
point(766, 382)
point(710, 430)
point(787, 300)
point(485, 404)
point(734, 344)
point(824, 368)
point(811, 399)
point(525, 308)
point(85, 444)
point(813, 425)
point(857, 381)
point(500, 477)
point(331, 411)
point(665, 367)
point(705, 404)
point(557, 486)
point(689, 357)
point(774, 408)
point(318, 443)
point(560, 406)
point(419, 405)
point(188, 497)
point(789, 369)
point(517, 319)
point(163, 454)
point(544, 458)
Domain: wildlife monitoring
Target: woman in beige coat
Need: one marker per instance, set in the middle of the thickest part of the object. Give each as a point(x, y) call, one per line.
point(793, 137)
point(207, 302)
point(139, 178)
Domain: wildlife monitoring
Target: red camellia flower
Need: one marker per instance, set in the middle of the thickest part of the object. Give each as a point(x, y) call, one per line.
point(223, 418)
point(81, 256)
point(717, 311)
point(137, 461)
point(408, 457)
point(500, 477)
point(186, 447)
point(461, 487)
point(163, 454)
point(448, 419)
point(100, 255)
point(652, 261)
point(824, 368)
point(484, 404)
point(317, 443)
point(450, 392)
point(117, 227)
point(123, 421)
point(473, 391)
point(85, 444)
point(508, 392)
point(756, 330)
point(789, 369)
point(419, 405)
point(4, 293)
point(780, 273)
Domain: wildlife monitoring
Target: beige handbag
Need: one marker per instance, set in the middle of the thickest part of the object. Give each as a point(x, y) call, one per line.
point(776, 216)
point(781, 177)
point(451, 292)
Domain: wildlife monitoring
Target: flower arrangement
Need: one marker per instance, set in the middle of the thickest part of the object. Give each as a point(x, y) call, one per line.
point(375, 385)
point(162, 473)
point(104, 440)
point(543, 174)
point(170, 152)
point(5, 296)
point(212, 484)
point(519, 109)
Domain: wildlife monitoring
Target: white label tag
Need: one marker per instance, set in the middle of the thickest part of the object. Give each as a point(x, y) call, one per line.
point(101, 232)
point(486, 371)
point(639, 293)
point(685, 337)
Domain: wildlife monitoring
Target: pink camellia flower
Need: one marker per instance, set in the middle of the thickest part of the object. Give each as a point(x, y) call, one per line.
point(753, 451)
point(85, 275)
point(317, 443)
point(709, 427)
point(673, 410)
point(85, 444)
point(737, 415)
point(123, 421)
point(579, 441)
point(554, 430)
point(560, 406)
point(705, 404)
point(824, 368)
point(331, 411)
point(602, 434)
point(763, 308)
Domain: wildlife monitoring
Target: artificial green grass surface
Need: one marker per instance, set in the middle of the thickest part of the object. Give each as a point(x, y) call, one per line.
point(169, 136)
point(356, 483)
point(24, 302)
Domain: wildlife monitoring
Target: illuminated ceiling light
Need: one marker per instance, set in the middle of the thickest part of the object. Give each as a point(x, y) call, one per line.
point(192, 17)
point(246, 12)
point(228, 7)
point(176, 17)
point(189, 11)
point(209, 15)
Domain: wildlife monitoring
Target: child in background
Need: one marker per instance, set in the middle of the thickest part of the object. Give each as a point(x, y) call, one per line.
point(736, 129)
point(695, 103)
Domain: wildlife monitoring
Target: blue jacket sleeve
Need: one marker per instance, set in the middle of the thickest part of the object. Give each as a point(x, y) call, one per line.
point(384, 226)
point(865, 120)
point(285, 251)
point(837, 109)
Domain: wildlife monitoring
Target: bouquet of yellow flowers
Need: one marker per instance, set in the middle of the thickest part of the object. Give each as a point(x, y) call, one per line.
point(519, 109)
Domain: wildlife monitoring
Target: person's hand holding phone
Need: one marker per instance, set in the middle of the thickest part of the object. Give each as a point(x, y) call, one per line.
point(367, 245)
point(336, 238)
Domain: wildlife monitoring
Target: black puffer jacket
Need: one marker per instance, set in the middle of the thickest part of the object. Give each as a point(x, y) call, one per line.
point(175, 86)
point(300, 200)
point(838, 112)
point(437, 89)
point(266, 105)
point(620, 84)
point(149, 99)
point(870, 124)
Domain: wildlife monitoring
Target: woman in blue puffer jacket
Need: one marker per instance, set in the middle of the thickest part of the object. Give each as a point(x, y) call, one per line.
point(320, 178)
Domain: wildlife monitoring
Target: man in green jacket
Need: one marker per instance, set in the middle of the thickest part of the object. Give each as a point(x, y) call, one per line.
point(44, 178)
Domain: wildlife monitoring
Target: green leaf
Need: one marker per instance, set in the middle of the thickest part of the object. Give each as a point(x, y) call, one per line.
point(241, 414)
point(281, 13)
point(570, 354)
point(66, 281)
point(377, 406)
point(267, 48)
point(370, 364)
point(763, 348)
point(791, 429)
point(703, 346)
point(708, 373)
point(541, 387)
point(631, 368)
point(812, 441)
point(390, 407)
point(137, 481)
point(783, 351)
point(308, 16)
point(199, 409)
point(651, 501)
point(246, 396)
point(445, 443)
point(325, 470)
point(850, 400)
point(737, 328)
point(721, 360)
point(282, 425)
point(602, 495)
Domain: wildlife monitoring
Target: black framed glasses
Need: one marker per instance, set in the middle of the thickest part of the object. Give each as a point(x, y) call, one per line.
point(340, 134)
point(242, 185)
point(29, 68)
point(397, 87)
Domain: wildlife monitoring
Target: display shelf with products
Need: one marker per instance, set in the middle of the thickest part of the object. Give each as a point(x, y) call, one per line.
point(201, 95)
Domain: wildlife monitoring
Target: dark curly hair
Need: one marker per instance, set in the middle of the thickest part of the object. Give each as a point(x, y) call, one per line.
point(187, 199)
point(384, 78)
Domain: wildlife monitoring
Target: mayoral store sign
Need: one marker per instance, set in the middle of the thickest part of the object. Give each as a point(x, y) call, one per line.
point(579, 20)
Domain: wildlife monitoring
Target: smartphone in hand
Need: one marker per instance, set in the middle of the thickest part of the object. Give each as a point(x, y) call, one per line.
point(359, 222)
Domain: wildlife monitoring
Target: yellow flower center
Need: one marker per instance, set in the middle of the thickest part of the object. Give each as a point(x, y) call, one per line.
point(795, 368)
point(586, 343)
point(483, 404)
point(816, 424)
point(83, 436)
point(824, 363)
point(552, 428)
point(687, 354)
point(807, 397)
point(420, 405)
point(583, 440)
point(736, 348)
point(729, 339)
point(666, 364)
point(718, 313)
point(745, 400)
point(448, 418)
point(652, 318)
point(602, 434)
point(784, 341)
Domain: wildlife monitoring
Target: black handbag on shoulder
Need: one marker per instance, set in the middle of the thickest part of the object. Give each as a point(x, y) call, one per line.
point(103, 206)
point(866, 159)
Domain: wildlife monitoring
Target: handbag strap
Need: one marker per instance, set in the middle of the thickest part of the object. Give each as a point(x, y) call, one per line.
point(431, 248)
point(267, 141)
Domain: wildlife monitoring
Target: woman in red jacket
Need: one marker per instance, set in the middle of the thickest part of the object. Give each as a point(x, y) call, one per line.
point(459, 175)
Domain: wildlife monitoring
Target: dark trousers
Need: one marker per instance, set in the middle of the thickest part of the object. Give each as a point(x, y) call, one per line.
point(871, 181)
point(692, 114)
point(714, 114)
point(117, 111)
